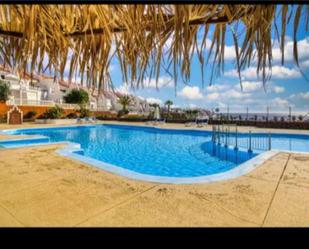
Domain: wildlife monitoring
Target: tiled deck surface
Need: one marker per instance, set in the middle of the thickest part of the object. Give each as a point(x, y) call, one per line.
point(40, 188)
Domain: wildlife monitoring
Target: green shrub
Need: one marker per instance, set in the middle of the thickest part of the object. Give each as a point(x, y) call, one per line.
point(53, 113)
point(122, 112)
point(106, 117)
point(3, 118)
point(173, 116)
point(84, 113)
point(134, 118)
point(4, 91)
point(30, 114)
point(125, 101)
point(72, 115)
point(77, 96)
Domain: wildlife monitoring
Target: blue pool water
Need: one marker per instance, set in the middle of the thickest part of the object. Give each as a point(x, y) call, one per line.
point(159, 152)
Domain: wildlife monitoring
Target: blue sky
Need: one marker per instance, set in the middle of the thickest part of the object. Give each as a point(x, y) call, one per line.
point(287, 86)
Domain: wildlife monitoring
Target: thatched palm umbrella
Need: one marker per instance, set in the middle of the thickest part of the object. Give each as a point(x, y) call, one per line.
point(87, 37)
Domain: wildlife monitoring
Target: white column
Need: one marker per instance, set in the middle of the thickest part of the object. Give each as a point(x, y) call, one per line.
point(20, 95)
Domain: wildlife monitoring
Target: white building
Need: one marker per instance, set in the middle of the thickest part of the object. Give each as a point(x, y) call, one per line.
point(45, 90)
point(22, 89)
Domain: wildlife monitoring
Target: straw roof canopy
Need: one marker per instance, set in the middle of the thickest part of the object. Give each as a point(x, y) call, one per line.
point(87, 37)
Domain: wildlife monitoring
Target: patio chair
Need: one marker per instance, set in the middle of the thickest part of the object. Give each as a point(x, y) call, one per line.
point(149, 122)
point(92, 120)
point(190, 124)
point(87, 120)
point(156, 122)
point(201, 123)
point(161, 121)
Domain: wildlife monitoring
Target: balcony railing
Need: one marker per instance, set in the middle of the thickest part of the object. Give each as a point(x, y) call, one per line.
point(68, 106)
point(16, 101)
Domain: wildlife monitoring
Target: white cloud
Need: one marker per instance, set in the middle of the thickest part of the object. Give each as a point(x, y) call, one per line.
point(305, 95)
point(154, 101)
point(300, 96)
point(250, 86)
point(302, 47)
point(235, 94)
point(191, 92)
point(192, 106)
point(280, 102)
point(252, 95)
point(304, 64)
point(277, 72)
point(123, 89)
point(257, 86)
point(278, 89)
point(163, 81)
point(229, 53)
point(281, 72)
point(213, 96)
point(230, 94)
point(215, 88)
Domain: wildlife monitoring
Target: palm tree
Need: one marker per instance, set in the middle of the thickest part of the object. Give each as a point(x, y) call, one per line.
point(168, 103)
point(125, 101)
point(192, 114)
point(154, 105)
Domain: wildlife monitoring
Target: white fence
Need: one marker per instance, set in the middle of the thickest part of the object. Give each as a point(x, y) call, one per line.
point(27, 102)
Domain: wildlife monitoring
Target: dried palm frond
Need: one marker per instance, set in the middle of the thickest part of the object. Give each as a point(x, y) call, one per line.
point(85, 38)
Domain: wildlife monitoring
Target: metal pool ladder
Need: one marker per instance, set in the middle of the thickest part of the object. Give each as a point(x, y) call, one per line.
point(228, 135)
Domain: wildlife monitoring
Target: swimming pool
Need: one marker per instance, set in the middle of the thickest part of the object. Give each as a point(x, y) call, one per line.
point(153, 152)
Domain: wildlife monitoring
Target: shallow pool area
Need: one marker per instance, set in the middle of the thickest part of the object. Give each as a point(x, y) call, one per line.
point(152, 151)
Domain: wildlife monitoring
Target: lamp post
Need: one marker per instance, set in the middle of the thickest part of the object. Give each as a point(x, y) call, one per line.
point(267, 113)
point(247, 113)
point(228, 112)
point(290, 113)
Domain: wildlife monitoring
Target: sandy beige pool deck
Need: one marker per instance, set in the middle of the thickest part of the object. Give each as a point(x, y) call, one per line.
point(38, 187)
